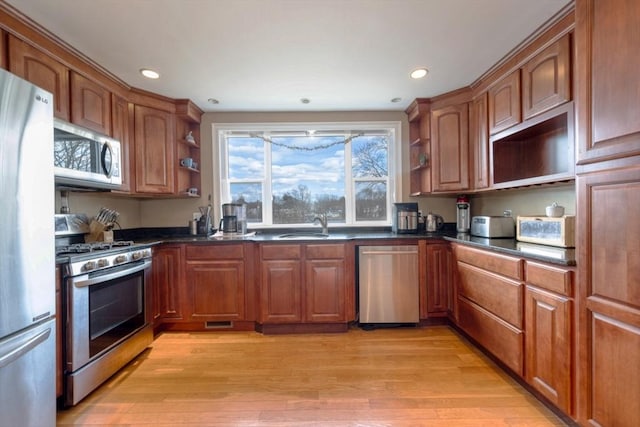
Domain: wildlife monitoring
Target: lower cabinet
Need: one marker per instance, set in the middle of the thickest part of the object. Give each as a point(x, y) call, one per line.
point(167, 278)
point(215, 280)
point(305, 283)
point(439, 265)
point(522, 312)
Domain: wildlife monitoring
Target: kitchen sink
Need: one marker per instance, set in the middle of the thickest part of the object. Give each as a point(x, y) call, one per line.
point(303, 235)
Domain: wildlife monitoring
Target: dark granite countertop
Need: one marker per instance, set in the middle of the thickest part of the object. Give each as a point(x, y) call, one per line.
point(560, 256)
point(551, 254)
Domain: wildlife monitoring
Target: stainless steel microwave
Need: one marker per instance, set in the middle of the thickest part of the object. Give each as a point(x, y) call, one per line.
point(87, 159)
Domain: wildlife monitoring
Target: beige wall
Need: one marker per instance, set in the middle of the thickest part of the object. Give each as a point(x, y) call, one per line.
point(176, 212)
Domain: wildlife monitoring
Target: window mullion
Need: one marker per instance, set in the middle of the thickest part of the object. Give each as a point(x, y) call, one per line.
point(349, 183)
point(267, 193)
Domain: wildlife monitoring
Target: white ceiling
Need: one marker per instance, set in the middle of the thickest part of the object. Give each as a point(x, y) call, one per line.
point(265, 55)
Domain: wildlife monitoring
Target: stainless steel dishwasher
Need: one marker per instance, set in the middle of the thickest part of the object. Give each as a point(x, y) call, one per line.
point(388, 284)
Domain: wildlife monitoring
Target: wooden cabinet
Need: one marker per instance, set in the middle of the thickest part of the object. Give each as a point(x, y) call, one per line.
point(549, 347)
point(155, 162)
point(504, 103)
point(306, 283)
point(490, 303)
point(3, 49)
point(439, 270)
point(40, 69)
point(450, 148)
point(546, 79)
point(122, 130)
point(609, 295)
point(280, 284)
point(607, 87)
point(419, 147)
point(90, 104)
point(479, 142)
point(168, 288)
point(215, 279)
point(608, 195)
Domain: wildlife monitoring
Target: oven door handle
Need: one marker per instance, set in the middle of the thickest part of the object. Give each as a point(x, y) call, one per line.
point(84, 281)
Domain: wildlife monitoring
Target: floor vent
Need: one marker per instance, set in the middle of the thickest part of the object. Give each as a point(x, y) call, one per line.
point(218, 325)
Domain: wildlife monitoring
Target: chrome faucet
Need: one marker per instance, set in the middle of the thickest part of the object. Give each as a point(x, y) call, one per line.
point(322, 218)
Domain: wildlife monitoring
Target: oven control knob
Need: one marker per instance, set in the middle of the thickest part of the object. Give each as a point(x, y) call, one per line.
point(136, 255)
point(120, 259)
point(88, 266)
point(103, 262)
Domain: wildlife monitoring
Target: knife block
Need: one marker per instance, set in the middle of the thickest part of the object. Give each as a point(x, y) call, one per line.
point(98, 232)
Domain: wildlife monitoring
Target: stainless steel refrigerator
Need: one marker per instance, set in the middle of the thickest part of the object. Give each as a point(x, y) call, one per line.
point(27, 255)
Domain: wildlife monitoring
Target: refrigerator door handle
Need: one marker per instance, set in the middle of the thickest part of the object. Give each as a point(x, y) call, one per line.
point(24, 347)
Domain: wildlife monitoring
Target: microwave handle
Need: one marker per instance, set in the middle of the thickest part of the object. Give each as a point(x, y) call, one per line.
point(106, 159)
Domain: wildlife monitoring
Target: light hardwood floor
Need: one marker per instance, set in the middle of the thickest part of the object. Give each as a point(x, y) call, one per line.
point(385, 377)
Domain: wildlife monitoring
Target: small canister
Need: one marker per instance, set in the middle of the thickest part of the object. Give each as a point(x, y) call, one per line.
point(193, 227)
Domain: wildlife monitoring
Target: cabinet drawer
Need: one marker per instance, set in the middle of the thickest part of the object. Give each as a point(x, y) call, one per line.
point(501, 339)
point(498, 295)
point(554, 279)
point(496, 263)
point(330, 251)
point(281, 251)
point(217, 252)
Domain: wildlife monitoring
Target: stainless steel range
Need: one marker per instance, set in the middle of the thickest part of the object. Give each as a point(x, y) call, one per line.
point(107, 312)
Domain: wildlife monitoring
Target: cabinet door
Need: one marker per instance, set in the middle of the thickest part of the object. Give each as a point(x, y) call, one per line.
point(450, 148)
point(155, 150)
point(546, 79)
point(122, 130)
point(549, 346)
point(439, 275)
point(504, 103)
point(609, 296)
point(216, 290)
point(280, 296)
point(168, 284)
point(324, 288)
point(43, 71)
point(479, 142)
point(607, 83)
point(3, 49)
point(90, 104)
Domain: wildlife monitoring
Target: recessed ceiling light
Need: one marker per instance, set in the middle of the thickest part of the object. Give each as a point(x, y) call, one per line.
point(150, 74)
point(213, 101)
point(305, 100)
point(394, 100)
point(419, 73)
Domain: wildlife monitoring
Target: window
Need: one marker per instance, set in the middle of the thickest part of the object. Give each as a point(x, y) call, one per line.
point(286, 174)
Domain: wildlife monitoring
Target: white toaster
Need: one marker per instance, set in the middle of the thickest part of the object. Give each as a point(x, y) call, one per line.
point(493, 226)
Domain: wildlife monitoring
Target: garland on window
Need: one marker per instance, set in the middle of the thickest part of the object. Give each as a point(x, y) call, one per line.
point(297, 147)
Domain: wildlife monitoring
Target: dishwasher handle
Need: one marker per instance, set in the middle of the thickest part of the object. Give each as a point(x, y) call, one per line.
point(388, 251)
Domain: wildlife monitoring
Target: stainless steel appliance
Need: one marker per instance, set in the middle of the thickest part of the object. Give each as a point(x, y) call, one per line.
point(108, 318)
point(27, 259)
point(234, 218)
point(405, 218)
point(463, 214)
point(84, 158)
point(493, 226)
point(388, 284)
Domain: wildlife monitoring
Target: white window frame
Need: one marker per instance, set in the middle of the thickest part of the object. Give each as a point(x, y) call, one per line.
point(394, 189)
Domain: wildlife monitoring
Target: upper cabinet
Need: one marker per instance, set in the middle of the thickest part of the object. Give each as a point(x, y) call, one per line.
point(40, 69)
point(546, 79)
point(122, 130)
point(479, 142)
point(607, 80)
point(188, 148)
point(450, 147)
point(90, 104)
point(504, 103)
point(154, 150)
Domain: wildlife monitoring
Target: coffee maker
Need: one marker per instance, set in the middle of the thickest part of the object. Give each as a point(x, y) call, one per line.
point(234, 218)
point(405, 218)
